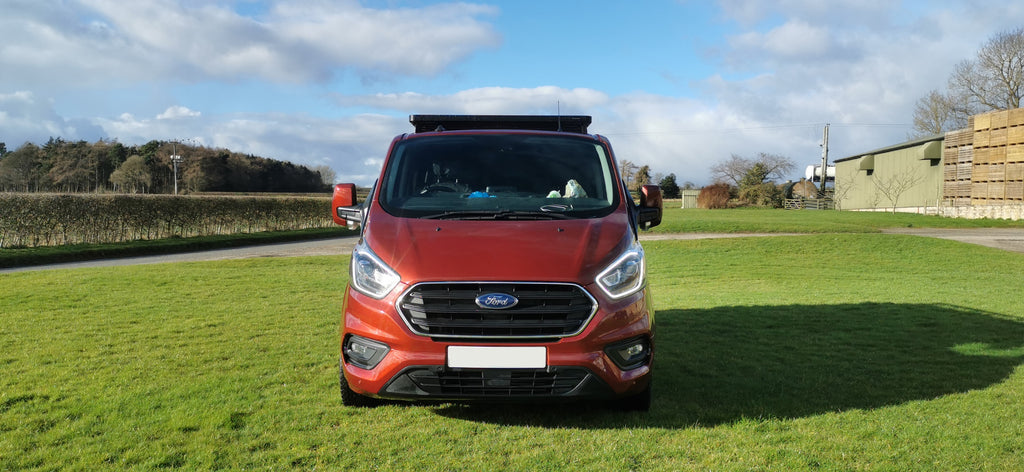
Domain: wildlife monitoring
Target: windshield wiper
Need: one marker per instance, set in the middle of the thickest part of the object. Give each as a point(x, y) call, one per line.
point(496, 215)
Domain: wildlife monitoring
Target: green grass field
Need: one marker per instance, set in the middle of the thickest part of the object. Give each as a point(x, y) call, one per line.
point(826, 351)
point(765, 220)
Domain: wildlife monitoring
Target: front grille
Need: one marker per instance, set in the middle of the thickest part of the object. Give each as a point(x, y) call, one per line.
point(544, 310)
point(498, 382)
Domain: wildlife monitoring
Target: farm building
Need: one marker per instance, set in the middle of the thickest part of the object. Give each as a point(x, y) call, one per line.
point(977, 172)
point(905, 176)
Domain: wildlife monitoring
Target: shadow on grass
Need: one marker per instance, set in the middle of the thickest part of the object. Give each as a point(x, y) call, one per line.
point(724, 364)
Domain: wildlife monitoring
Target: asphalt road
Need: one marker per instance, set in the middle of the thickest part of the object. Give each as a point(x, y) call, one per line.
point(1009, 239)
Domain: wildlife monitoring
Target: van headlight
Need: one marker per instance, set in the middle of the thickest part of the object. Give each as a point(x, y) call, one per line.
point(370, 275)
point(625, 276)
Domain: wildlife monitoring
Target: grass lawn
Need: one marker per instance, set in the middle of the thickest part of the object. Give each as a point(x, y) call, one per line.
point(827, 351)
point(766, 220)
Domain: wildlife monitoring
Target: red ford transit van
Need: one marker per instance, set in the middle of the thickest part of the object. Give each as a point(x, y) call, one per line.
point(498, 260)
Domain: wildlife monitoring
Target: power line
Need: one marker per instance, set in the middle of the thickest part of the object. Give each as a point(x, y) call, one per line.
point(759, 128)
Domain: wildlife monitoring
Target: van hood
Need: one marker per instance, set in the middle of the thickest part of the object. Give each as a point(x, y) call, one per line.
point(423, 250)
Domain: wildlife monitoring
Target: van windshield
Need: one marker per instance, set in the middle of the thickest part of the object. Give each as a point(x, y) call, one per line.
point(499, 176)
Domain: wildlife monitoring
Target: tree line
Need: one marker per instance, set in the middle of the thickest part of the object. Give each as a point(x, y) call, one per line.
point(110, 166)
point(747, 181)
point(635, 176)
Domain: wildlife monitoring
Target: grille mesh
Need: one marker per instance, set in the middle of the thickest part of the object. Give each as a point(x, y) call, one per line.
point(449, 310)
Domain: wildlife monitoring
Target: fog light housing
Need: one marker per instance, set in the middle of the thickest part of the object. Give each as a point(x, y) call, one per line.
point(631, 353)
point(364, 353)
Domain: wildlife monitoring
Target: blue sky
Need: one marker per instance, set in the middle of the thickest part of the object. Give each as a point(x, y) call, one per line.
point(675, 84)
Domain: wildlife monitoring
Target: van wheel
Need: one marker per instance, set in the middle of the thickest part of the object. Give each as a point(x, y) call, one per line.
point(351, 398)
point(640, 402)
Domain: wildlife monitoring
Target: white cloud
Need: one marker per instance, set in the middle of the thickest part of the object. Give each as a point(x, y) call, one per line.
point(485, 100)
point(410, 41)
point(25, 118)
point(794, 39)
point(95, 42)
point(793, 65)
point(353, 146)
point(176, 112)
point(752, 12)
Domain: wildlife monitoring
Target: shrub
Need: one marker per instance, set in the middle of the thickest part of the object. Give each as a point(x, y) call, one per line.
point(714, 196)
point(764, 194)
point(30, 220)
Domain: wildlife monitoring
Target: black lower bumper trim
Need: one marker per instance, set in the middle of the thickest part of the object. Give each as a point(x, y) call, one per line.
point(440, 383)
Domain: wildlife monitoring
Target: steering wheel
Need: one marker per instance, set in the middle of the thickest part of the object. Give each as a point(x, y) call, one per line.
point(447, 187)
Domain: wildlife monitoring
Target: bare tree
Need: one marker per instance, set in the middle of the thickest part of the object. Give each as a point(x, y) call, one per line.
point(733, 170)
point(993, 80)
point(936, 113)
point(776, 167)
point(628, 171)
point(840, 192)
point(893, 186)
point(327, 175)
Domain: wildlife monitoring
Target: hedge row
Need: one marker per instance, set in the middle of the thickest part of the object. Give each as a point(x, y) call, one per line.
point(31, 220)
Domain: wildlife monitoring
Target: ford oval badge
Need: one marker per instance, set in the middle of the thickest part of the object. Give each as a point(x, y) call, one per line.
point(496, 301)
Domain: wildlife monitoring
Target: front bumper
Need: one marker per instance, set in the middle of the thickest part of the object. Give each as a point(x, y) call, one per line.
point(415, 366)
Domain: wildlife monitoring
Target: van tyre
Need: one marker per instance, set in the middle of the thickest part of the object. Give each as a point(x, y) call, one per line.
point(351, 398)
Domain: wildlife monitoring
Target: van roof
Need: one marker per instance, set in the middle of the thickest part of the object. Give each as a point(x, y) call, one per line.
point(565, 123)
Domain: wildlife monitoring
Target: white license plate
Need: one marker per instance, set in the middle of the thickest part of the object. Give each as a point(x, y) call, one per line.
point(498, 357)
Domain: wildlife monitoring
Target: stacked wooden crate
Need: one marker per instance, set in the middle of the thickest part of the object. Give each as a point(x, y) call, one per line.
point(958, 160)
point(1015, 155)
point(998, 171)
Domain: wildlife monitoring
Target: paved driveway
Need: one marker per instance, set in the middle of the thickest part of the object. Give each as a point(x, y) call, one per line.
point(1009, 239)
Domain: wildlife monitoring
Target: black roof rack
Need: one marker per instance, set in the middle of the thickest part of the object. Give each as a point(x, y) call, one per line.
point(569, 124)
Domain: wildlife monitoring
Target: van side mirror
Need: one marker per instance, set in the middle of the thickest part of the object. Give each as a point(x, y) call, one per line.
point(346, 211)
point(650, 206)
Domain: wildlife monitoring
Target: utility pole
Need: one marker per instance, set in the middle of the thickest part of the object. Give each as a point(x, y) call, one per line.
point(824, 160)
point(175, 160)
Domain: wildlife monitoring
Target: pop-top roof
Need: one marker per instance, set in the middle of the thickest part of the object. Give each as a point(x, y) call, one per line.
point(568, 124)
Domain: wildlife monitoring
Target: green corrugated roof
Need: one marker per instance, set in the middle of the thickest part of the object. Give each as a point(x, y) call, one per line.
point(897, 147)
